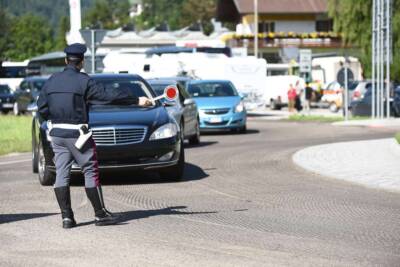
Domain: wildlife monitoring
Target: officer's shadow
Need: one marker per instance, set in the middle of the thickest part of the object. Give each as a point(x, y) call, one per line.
point(126, 216)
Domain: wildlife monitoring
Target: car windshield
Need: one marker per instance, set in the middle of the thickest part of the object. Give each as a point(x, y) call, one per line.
point(38, 85)
point(211, 89)
point(4, 89)
point(137, 87)
point(159, 88)
point(12, 72)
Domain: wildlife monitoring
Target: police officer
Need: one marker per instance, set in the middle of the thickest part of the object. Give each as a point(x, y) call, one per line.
point(64, 103)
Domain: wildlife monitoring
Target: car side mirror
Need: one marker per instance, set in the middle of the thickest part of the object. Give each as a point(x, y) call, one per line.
point(169, 103)
point(32, 107)
point(188, 101)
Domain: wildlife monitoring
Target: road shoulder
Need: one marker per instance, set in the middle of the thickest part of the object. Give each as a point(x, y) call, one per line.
point(372, 163)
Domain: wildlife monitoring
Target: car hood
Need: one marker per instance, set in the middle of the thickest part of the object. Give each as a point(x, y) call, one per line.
point(217, 102)
point(5, 96)
point(116, 115)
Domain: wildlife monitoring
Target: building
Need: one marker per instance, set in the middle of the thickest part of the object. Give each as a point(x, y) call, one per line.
point(285, 26)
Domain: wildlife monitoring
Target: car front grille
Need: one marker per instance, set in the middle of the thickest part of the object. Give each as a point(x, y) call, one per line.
point(119, 135)
point(216, 111)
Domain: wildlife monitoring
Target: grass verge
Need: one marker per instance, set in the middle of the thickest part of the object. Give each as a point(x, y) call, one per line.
point(397, 136)
point(321, 118)
point(316, 118)
point(15, 134)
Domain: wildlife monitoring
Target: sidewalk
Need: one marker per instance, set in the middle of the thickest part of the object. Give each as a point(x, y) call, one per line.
point(392, 122)
point(373, 163)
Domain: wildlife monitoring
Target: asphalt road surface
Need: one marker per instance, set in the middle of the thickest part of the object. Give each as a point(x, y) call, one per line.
point(242, 203)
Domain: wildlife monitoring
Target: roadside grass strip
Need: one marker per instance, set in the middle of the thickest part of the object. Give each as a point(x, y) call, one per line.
point(316, 118)
point(397, 136)
point(15, 134)
point(321, 118)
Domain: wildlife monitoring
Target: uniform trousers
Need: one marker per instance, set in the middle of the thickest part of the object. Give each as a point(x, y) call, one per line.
point(66, 154)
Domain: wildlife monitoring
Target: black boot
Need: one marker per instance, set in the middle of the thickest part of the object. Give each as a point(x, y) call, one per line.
point(102, 216)
point(64, 201)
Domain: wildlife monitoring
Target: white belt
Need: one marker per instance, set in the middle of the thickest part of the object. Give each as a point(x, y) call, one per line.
point(65, 126)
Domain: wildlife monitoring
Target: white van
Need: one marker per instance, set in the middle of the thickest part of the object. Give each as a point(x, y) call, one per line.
point(12, 73)
point(275, 93)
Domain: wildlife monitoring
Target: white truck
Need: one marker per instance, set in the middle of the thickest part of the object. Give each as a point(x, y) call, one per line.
point(248, 74)
point(12, 73)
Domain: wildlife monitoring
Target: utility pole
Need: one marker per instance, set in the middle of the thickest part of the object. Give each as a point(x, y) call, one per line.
point(256, 28)
point(373, 93)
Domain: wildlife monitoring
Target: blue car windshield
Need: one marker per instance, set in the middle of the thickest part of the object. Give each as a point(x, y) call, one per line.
point(159, 88)
point(211, 89)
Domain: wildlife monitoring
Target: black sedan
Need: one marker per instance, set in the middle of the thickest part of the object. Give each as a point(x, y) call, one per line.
point(6, 99)
point(127, 137)
point(27, 93)
point(363, 105)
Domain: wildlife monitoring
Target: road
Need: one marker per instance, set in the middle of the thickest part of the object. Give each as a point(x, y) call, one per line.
point(242, 203)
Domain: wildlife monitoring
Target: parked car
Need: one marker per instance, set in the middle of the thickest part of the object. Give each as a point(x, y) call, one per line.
point(184, 110)
point(363, 106)
point(6, 99)
point(220, 106)
point(27, 93)
point(127, 137)
point(333, 95)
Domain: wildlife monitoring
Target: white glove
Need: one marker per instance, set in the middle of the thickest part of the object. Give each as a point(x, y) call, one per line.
point(144, 101)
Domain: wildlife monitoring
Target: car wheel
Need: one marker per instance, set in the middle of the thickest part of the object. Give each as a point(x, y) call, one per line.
point(46, 177)
point(243, 129)
point(16, 110)
point(333, 107)
point(4, 111)
point(175, 173)
point(35, 162)
point(195, 139)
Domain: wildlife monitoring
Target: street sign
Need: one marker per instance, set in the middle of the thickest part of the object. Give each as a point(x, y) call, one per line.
point(340, 77)
point(98, 36)
point(305, 60)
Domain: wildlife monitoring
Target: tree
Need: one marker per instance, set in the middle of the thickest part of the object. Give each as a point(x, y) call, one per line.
point(5, 24)
point(30, 36)
point(60, 41)
point(177, 13)
point(202, 11)
point(353, 19)
point(108, 14)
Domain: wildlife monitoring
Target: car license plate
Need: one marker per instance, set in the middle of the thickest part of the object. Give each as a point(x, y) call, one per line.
point(7, 105)
point(216, 120)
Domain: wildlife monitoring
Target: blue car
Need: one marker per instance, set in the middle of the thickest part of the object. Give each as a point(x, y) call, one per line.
point(220, 106)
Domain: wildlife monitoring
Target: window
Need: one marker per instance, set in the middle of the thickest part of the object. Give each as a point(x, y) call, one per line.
point(266, 26)
point(324, 25)
point(212, 89)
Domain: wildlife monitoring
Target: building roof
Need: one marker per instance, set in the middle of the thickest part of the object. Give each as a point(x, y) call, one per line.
point(283, 6)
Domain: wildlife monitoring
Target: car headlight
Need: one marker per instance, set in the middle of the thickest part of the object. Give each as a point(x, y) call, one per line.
point(166, 131)
point(239, 107)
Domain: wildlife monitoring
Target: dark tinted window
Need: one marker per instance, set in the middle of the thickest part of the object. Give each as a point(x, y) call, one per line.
point(37, 85)
point(159, 88)
point(137, 87)
point(4, 89)
point(211, 89)
point(12, 72)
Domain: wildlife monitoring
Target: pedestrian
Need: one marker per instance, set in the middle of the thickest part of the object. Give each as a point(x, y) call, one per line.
point(299, 93)
point(291, 97)
point(64, 103)
point(308, 97)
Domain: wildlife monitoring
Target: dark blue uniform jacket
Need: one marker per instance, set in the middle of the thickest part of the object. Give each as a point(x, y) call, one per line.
point(66, 96)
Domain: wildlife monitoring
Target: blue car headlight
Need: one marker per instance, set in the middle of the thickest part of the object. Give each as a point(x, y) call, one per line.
point(239, 107)
point(166, 131)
